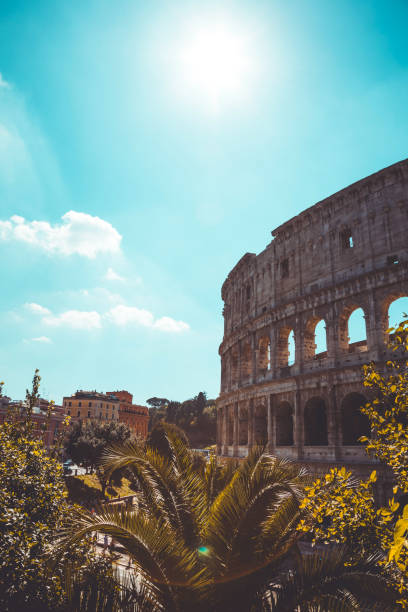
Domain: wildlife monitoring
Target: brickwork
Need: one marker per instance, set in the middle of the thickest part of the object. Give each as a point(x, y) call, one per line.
point(135, 416)
point(346, 252)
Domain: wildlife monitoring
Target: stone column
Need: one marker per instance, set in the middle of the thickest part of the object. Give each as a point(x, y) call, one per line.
point(251, 432)
point(332, 427)
point(219, 431)
point(236, 430)
point(333, 332)
point(254, 357)
point(298, 423)
point(225, 430)
point(239, 363)
point(375, 327)
point(337, 434)
point(271, 424)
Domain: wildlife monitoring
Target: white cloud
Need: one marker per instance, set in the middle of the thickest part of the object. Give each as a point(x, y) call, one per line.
point(78, 233)
point(124, 315)
point(42, 339)
point(112, 275)
point(120, 315)
point(37, 308)
point(170, 325)
point(77, 319)
point(3, 82)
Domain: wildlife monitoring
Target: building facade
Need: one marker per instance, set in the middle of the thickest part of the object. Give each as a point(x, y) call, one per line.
point(47, 423)
point(346, 252)
point(135, 416)
point(84, 405)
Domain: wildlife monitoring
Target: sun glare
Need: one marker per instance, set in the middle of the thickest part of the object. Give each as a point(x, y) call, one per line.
point(215, 64)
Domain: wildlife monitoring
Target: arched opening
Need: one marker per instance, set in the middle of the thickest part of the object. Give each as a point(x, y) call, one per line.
point(264, 359)
point(352, 330)
point(284, 425)
point(320, 339)
point(243, 427)
point(230, 427)
point(354, 424)
point(357, 333)
point(260, 425)
point(315, 342)
point(291, 348)
point(396, 311)
point(315, 422)
point(286, 347)
point(246, 361)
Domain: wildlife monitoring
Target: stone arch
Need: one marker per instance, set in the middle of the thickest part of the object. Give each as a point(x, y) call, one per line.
point(246, 361)
point(243, 426)
point(260, 424)
point(264, 353)
point(283, 346)
point(344, 332)
point(310, 346)
point(284, 424)
point(315, 422)
point(354, 424)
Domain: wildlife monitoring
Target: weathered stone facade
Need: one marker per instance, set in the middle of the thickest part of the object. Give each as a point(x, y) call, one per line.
point(346, 252)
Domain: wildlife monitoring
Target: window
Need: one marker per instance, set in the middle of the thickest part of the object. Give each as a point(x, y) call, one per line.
point(80, 404)
point(285, 268)
point(346, 239)
point(79, 413)
point(69, 403)
point(69, 413)
point(89, 404)
point(248, 292)
point(89, 414)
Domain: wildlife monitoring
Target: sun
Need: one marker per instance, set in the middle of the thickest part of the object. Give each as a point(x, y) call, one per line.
point(215, 64)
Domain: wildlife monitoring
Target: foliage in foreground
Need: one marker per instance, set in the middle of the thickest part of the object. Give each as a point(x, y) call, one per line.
point(32, 508)
point(208, 538)
point(341, 508)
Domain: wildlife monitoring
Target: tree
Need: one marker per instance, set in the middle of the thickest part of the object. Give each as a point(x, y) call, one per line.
point(33, 507)
point(388, 442)
point(157, 402)
point(86, 441)
point(32, 493)
point(225, 539)
point(340, 508)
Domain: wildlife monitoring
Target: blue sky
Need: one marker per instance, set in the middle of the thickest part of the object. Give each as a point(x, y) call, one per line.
point(106, 110)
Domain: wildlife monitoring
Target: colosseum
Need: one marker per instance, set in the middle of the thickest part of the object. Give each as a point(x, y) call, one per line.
point(346, 252)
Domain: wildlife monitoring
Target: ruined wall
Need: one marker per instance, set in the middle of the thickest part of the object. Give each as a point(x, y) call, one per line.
point(346, 252)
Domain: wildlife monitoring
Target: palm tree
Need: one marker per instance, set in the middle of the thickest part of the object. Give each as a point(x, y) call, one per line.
point(205, 537)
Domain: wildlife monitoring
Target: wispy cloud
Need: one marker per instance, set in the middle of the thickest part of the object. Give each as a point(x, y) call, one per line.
point(42, 339)
point(119, 315)
point(131, 315)
point(124, 315)
point(4, 83)
point(168, 324)
point(113, 276)
point(37, 308)
point(79, 233)
point(77, 319)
